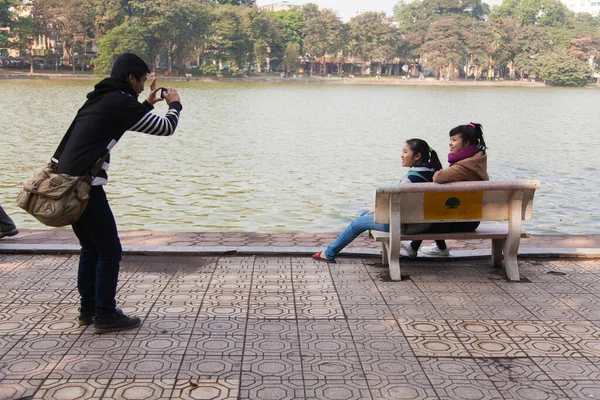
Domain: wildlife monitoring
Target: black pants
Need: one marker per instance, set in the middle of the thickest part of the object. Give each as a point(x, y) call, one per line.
point(100, 255)
point(446, 228)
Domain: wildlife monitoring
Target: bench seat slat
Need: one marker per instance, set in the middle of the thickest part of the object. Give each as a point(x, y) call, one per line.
point(495, 231)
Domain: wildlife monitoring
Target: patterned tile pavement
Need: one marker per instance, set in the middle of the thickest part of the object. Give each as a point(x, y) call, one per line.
point(289, 327)
point(318, 240)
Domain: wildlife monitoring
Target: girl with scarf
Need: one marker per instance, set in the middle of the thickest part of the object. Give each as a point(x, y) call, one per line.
point(468, 162)
point(422, 162)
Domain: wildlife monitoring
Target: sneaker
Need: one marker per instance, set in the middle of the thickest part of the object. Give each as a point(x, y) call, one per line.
point(115, 323)
point(12, 232)
point(412, 253)
point(87, 318)
point(435, 251)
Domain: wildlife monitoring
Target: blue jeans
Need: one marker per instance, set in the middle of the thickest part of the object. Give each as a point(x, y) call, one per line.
point(359, 225)
point(100, 255)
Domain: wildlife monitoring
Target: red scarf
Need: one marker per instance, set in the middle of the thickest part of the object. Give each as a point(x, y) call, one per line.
point(466, 152)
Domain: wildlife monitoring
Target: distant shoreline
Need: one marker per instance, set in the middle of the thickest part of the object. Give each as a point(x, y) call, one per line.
point(386, 80)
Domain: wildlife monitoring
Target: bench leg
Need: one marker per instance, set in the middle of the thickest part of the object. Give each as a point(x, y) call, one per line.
point(384, 254)
point(395, 269)
point(393, 262)
point(497, 245)
point(511, 246)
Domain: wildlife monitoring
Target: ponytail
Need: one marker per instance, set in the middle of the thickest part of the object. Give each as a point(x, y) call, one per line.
point(473, 133)
point(428, 155)
point(434, 160)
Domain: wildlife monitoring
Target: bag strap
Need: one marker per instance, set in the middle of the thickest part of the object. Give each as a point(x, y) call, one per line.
point(63, 143)
point(415, 173)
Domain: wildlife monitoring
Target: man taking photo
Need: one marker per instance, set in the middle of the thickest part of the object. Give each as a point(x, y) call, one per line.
point(111, 109)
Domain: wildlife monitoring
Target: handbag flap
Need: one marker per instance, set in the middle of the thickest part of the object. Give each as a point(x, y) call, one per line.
point(46, 183)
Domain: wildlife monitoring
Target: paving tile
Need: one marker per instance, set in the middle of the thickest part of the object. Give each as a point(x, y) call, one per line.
point(467, 389)
point(332, 368)
point(200, 346)
point(576, 389)
point(322, 326)
point(31, 345)
point(447, 345)
point(369, 328)
point(415, 311)
point(367, 312)
point(72, 389)
point(396, 368)
point(402, 389)
point(268, 390)
point(423, 326)
point(272, 346)
point(89, 343)
point(495, 345)
point(148, 366)
point(518, 370)
point(563, 369)
point(88, 366)
point(547, 347)
point(210, 367)
point(139, 389)
point(271, 368)
point(338, 390)
point(531, 390)
point(18, 389)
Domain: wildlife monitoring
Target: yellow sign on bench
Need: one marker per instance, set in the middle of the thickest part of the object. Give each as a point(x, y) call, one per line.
point(453, 205)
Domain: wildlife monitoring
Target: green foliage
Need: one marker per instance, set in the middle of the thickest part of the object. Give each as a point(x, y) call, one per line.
point(559, 68)
point(321, 31)
point(209, 69)
point(6, 15)
point(534, 12)
point(291, 24)
point(443, 46)
point(516, 39)
point(291, 57)
point(372, 37)
point(119, 40)
point(236, 2)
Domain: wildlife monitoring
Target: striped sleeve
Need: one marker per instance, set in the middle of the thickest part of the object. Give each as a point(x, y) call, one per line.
point(153, 124)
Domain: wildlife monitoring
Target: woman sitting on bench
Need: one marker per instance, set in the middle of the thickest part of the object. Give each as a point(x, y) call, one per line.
point(468, 162)
point(423, 163)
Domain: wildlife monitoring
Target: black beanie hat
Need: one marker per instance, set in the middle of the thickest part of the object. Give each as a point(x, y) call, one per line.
point(128, 63)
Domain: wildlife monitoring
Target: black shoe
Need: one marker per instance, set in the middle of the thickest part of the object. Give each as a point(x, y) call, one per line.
point(12, 232)
point(115, 323)
point(87, 318)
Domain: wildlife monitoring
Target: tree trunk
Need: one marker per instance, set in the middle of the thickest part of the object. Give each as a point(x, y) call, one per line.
point(31, 62)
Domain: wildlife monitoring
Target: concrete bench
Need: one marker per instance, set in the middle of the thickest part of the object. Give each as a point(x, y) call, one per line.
point(508, 201)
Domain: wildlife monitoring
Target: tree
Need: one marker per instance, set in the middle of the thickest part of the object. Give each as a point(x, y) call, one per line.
point(530, 42)
point(372, 37)
point(535, 12)
point(321, 33)
point(236, 2)
point(479, 48)
point(290, 23)
point(72, 22)
point(559, 68)
point(228, 37)
point(291, 58)
point(177, 28)
point(443, 47)
point(264, 34)
point(122, 39)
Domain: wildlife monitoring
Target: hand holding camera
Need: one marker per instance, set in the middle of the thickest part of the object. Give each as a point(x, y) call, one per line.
point(169, 94)
point(162, 93)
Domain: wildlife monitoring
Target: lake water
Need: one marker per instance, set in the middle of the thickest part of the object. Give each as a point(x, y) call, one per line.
point(294, 157)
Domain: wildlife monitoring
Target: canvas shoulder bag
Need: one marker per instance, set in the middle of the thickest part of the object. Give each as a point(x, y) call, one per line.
point(57, 199)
